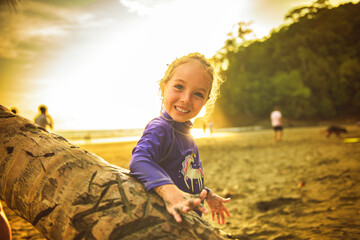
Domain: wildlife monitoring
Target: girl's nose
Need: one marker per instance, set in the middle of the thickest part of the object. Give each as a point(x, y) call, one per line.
point(185, 97)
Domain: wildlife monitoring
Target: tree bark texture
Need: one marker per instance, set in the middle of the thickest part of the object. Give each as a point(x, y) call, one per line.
point(69, 193)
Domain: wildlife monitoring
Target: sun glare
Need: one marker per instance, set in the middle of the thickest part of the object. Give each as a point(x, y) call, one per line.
point(110, 80)
point(199, 133)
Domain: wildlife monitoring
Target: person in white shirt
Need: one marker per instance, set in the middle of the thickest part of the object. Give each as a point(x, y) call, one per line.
point(43, 119)
point(276, 122)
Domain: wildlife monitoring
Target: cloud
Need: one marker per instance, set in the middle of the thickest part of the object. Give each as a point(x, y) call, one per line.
point(39, 25)
point(144, 7)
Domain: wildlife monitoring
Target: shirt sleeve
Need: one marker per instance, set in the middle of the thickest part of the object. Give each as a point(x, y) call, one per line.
point(146, 155)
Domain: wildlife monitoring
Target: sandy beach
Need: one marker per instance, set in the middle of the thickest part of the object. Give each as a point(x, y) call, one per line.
point(305, 187)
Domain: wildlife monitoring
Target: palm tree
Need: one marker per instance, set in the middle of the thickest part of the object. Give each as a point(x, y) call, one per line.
point(69, 193)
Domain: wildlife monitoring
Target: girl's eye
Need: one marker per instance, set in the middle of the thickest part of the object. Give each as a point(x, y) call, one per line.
point(179, 87)
point(199, 95)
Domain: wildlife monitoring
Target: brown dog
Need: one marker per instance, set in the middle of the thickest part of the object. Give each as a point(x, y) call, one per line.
point(335, 130)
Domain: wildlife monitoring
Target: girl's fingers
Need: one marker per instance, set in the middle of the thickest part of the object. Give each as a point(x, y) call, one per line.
point(185, 209)
point(227, 212)
point(203, 194)
point(196, 202)
point(178, 218)
point(176, 215)
point(222, 218)
point(226, 200)
point(202, 209)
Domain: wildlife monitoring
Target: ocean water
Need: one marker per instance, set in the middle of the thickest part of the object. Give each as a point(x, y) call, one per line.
point(101, 136)
point(128, 135)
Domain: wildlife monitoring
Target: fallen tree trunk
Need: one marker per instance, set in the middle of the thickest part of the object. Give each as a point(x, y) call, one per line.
point(69, 193)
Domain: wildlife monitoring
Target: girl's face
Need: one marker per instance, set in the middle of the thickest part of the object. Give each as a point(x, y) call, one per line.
point(187, 91)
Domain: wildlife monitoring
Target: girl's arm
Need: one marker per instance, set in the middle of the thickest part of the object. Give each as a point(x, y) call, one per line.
point(144, 163)
point(216, 205)
point(177, 201)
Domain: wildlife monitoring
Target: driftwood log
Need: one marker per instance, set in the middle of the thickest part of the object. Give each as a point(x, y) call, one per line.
point(69, 193)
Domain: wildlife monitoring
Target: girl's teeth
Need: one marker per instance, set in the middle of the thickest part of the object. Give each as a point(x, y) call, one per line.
point(181, 110)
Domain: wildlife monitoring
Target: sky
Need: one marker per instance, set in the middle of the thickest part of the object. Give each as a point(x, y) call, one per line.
point(96, 64)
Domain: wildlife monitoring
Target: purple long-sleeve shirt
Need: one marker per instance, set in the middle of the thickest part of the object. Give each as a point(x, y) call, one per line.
point(167, 154)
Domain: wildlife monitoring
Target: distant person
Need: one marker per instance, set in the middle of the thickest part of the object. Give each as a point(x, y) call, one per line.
point(14, 110)
point(211, 126)
point(166, 158)
point(276, 122)
point(43, 119)
point(5, 229)
point(204, 125)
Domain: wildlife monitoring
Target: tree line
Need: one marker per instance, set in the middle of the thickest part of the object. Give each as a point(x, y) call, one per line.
point(309, 67)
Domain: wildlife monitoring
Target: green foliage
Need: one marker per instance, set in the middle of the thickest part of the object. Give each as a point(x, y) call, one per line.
point(311, 68)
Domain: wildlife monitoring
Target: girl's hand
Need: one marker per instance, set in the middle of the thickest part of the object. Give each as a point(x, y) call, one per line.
point(177, 201)
point(216, 204)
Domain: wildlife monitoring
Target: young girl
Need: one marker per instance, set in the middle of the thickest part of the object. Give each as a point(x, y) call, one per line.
point(166, 158)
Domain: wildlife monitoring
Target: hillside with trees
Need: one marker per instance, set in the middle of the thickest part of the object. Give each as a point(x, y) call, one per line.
point(310, 67)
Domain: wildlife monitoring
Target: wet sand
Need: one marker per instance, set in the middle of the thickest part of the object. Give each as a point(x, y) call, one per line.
point(305, 187)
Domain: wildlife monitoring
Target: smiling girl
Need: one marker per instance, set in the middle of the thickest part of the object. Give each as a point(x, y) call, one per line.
point(166, 158)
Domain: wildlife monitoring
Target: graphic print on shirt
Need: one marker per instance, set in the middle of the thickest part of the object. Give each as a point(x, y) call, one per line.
point(191, 173)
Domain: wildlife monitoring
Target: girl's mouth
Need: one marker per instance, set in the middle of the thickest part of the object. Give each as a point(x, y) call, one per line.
point(183, 110)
